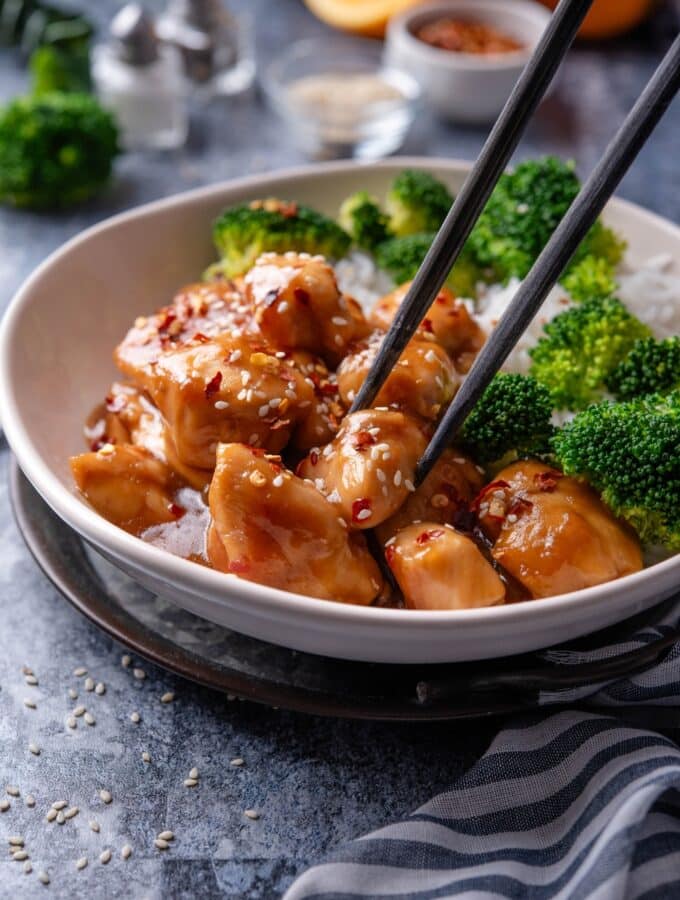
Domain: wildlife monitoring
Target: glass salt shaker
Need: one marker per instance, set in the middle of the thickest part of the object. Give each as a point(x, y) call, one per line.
point(217, 46)
point(142, 82)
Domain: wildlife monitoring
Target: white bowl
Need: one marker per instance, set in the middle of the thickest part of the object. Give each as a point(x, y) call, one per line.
point(55, 365)
point(466, 87)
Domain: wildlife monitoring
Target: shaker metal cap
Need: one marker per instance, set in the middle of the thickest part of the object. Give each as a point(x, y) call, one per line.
point(134, 36)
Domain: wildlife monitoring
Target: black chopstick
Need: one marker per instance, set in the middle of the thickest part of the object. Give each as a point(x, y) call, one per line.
point(582, 214)
point(455, 230)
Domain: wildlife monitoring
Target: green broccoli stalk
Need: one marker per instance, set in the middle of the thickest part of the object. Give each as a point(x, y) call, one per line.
point(361, 217)
point(592, 276)
point(401, 258)
point(55, 150)
point(512, 419)
point(580, 349)
point(242, 233)
point(417, 202)
point(630, 453)
point(651, 367)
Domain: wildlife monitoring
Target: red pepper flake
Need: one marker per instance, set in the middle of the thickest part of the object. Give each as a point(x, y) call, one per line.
point(520, 505)
point(431, 535)
point(115, 403)
point(328, 388)
point(200, 338)
point(213, 386)
point(390, 554)
point(547, 481)
point(441, 299)
point(493, 486)
point(177, 511)
point(313, 457)
point(301, 295)
point(168, 319)
point(426, 325)
point(362, 440)
point(358, 507)
point(238, 566)
point(98, 443)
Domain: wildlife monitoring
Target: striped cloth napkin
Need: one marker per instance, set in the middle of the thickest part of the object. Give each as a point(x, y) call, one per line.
point(565, 804)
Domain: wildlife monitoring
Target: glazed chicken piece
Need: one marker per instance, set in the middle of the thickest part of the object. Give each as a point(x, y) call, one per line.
point(422, 382)
point(448, 322)
point(273, 528)
point(228, 389)
point(128, 486)
point(367, 471)
point(436, 567)
point(205, 309)
point(322, 417)
point(444, 496)
point(552, 533)
point(298, 306)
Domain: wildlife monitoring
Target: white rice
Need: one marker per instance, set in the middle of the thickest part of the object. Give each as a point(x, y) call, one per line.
point(651, 292)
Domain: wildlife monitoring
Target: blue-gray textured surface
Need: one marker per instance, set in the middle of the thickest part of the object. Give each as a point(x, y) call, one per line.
point(316, 782)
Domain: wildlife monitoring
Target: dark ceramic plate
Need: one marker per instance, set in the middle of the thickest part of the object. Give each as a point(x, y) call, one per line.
point(211, 655)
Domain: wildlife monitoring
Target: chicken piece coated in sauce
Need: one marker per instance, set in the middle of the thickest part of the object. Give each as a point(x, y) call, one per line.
point(552, 533)
point(367, 471)
point(448, 322)
point(423, 381)
point(322, 417)
point(297, 305)
point(205, 308)
point(127, 485)
point(273, 528)
point(436, 567)
point(444, 496)
point(228, 389)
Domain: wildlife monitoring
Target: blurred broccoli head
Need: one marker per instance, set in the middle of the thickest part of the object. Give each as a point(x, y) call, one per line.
point(55, 150)
point(401, 258)
point(581, 347)
point(511, 419)
point(242, 233)
point(651, 367)
point(630, 452)
point(362, 218)
point(417, 202)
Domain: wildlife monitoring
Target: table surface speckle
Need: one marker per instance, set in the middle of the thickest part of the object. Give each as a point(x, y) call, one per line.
point(315, 782)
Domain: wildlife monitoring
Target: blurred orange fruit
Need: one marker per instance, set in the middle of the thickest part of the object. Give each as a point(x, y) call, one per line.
point(608, 18)
point(367, 17)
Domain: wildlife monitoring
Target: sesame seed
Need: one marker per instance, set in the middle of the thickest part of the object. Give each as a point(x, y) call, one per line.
point(105, 857)
point(28, 868)
point(81, 863)
point(257, 479)
point(409, 485)
point(139, 674)
point(70, 813)
point(27, 670)
point(12, 791)
point(32, 680)
point(4, 805)
point(30, 801)
point(89, 684)
point(73, 694)
point(20, 855)
point(105, 796)
point(51, 815)
point(72, 722)
point(221, 404)
point(126, 852)
point(397, 478)
point(193, 773)
point(61, 817)
point(338, 320)
point(15, 841)
point(364, 514)
point(80, 671)
point(100, 688)
point(43, 877)
point(94, 825)
point(135, 717)
point(29, 703)
point(167, 836)
point(431, 356)
point(237, 762)
point(160, 844)
point(190, 782)
point(168, 697)
point(34, 748)
point(126, 661)
point(277, 481)
point(251, 814)
point(79, 711)
point(146, 757)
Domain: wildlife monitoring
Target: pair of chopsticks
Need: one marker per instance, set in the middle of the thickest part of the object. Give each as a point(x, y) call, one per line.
point(455, 230)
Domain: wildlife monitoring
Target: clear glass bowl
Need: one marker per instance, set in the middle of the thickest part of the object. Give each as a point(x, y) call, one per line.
point(339, 100)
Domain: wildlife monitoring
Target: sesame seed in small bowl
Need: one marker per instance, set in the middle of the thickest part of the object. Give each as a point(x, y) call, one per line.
point(340, 100)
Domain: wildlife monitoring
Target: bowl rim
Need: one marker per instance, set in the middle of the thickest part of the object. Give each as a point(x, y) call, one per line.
point(200, 581)
point(399, 29)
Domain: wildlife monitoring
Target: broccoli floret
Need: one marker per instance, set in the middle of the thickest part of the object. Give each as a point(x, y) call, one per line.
point(362, 218)
point(592, 276)
point(242, 233)
point(401, 258)
point(512, 417)
point(417, 202)
point(525, 208)
point(54, 68)
point(581, 348)
point(630, 452)
point(651, 367)
point(55, 150)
